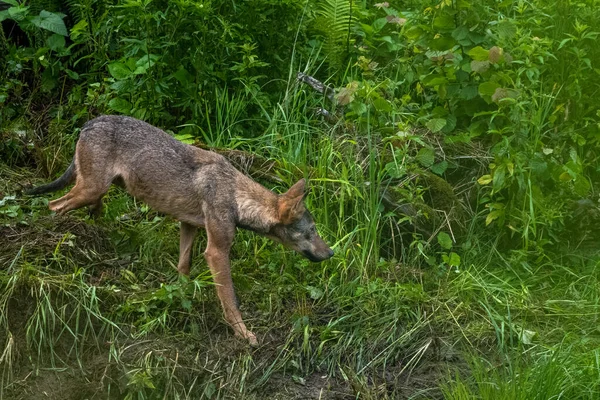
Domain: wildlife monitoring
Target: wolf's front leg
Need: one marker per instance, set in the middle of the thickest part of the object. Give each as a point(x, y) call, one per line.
point(220, 238)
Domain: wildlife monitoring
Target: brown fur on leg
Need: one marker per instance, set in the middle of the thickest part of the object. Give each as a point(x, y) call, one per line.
point(78, 197)
point(219, 243)
point(186, 242)
point(96, 209)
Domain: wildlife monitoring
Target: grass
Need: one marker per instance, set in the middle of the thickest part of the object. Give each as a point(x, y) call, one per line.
point(98, 306)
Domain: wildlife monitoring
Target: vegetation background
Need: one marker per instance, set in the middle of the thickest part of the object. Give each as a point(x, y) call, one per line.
point(454, 166)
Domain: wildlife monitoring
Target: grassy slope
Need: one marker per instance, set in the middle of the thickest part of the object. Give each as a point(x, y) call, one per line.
point(98, 306)
point(94, 309)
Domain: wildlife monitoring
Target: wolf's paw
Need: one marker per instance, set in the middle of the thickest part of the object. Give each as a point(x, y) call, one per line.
point(249, 336)
point(58, 206)
point(252, 339)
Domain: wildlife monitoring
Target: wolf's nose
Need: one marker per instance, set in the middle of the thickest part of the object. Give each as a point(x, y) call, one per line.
point(330, 253)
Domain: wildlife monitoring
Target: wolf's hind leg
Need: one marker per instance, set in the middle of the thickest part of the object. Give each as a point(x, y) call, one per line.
point(186, 242)
point(96, 208)
point(84, 193)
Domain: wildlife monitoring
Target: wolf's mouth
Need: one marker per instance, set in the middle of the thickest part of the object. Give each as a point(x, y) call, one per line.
point(311, 256)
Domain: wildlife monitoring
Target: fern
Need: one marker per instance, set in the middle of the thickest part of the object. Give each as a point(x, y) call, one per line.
point(334, 20)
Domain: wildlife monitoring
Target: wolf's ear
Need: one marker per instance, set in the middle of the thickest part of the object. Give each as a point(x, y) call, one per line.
point(291, 203)
point(298, 189)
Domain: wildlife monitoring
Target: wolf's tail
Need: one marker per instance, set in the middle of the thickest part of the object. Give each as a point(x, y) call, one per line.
point(65, 179)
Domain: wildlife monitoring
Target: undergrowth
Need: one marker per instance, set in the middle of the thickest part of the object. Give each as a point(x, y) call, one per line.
point(451, 164)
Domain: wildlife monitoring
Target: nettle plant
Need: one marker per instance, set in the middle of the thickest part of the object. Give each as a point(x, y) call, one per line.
point(465, 77)
point(34, 61)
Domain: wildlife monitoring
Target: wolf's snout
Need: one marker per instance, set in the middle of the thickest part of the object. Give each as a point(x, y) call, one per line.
point(318, 256)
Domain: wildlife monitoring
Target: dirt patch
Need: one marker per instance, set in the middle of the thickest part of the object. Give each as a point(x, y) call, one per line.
point(48, 384)
point(45, 233)
point(315, 386)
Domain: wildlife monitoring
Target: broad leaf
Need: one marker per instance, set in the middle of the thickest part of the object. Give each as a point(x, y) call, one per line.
point(488, 88)
point(426, 157)
point(50, 21)
point(444, 240)
point(119, 70)
point(435, 124)
point(120, 105)
point(479, 53)
point(56, 42)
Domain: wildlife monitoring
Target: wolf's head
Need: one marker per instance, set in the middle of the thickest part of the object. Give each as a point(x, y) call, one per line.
point(296, 228)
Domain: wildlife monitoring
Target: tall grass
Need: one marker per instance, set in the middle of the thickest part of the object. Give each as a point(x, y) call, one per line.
point(387, 317)
point(372, 324)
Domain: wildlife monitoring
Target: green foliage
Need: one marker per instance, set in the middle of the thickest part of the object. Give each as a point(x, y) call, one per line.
point(334, 20)
point(455, 176)
point(557, 374)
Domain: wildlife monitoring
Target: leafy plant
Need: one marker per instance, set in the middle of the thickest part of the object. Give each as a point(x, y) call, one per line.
point(335, 20)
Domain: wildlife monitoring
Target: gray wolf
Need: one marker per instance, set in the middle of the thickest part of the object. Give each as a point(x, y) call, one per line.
point(197, 187)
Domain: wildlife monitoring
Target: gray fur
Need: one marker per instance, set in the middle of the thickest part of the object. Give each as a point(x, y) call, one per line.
point(62, 182)
point(199, 188)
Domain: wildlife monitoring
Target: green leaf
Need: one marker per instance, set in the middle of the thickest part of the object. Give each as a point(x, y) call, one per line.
point(454, 260)
point(378, 24)
point(17, 13)
point(120, 105)
point(480, 66)
point(79, 29)
point(382, 105)
point(50, 21)
point(56, 42)
point(183, 76)
point(565, 177)
point(442, 43)
point(49, 80)
point(488, 88)
point(498, 178)
point(209, 390)
point(186, 304)
point(426, 157)
point(434, 80)
point(440, 167)
point(314, 292)
point(450, 124)
point(358, 108)
point(479, 53)
point(413, 33)
point(484, 180)
point(506, 29)
point(119, 70)
point(186, 138)
point(443, 22)
point(435, 124)
point(468, 92)
point(144, 63)
point(582, 186)
point(493, 215)
point(72, 74)
point(527, 336)
point(461, 35)
point(444, 240)
point(395, 170)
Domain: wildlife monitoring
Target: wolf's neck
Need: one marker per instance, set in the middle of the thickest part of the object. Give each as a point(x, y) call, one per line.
point(256, 207)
